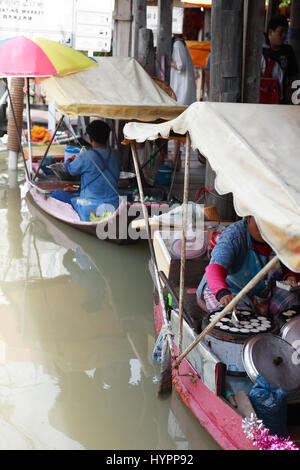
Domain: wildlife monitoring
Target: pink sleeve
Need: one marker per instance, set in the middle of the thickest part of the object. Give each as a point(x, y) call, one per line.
point(215, 276)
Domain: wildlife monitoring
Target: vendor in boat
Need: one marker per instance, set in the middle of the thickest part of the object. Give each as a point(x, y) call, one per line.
point(99, 170)
point(239, 255)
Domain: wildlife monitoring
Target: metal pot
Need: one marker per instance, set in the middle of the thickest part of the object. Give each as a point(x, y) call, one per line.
point(272, 357)
point(290, 332)
point(126, 179)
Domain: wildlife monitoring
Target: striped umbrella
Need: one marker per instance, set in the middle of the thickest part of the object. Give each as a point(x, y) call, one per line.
point(22, 56)
point(26, 57)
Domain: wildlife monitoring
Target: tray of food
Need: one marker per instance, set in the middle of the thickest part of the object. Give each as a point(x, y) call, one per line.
point(288, 285)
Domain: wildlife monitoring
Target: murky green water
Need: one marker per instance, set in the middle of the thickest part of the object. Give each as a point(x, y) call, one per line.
point(76, 338)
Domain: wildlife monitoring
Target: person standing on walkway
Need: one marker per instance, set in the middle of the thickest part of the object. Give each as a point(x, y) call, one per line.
point(278, 63)
point(182, 78)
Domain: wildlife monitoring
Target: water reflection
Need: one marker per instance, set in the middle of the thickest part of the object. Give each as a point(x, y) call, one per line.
point(76, 337)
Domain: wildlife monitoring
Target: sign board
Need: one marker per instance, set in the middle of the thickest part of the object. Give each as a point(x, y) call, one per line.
point(82, 24)
point(38, 18)
point(93, 25)
point(152, 20)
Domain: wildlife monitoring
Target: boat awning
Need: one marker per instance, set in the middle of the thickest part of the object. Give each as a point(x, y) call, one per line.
point(254, 150)
point(119, 88)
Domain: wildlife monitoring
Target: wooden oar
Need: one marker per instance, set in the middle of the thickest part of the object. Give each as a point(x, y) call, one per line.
point(228, 308)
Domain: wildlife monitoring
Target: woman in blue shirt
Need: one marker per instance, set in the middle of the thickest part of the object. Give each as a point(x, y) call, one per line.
point(99, 169)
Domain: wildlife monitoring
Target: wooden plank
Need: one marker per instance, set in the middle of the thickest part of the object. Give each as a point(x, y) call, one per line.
point(39, 150)
point(244, 405)
point(139, 21)
point(294, 37)
point(254, 29)
point(225, 78)
point(164, 39)
point(162, 255)
point(122, 28)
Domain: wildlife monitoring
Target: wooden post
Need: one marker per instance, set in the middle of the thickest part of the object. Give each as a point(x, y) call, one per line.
point(225, 78)
point(122, 28)
point(294, 36)
point(207, 23)
point(253, 37)
point(15, 123)
point(122, 48)
point(138, 22)
point(272, 11)
point(164, 40)
point(146, 51)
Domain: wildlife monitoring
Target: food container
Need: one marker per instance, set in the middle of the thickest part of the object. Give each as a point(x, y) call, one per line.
point(70, 152)
point(126, 180)
point(272, 357)
point(227, 339)
point(195, 246)
point(164, 175)
point(290, 332)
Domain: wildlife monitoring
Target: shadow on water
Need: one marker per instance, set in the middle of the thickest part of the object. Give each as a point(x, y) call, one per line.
point(76, 338)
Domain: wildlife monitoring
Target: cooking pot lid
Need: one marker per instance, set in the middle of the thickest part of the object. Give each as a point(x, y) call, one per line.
point(273, 358)
point(290, 332)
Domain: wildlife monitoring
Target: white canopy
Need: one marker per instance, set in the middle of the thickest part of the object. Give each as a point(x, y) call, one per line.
point(119, 88)
point(255, 152)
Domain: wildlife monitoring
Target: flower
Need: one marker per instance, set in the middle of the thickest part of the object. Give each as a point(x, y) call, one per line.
point(259, 434)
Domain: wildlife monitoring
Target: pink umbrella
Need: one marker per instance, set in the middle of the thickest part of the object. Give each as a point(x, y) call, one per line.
point(26, 57)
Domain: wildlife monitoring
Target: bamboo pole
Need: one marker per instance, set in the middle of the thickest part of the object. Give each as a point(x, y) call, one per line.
point(183, 242)
point(48, 147)
point(28, 125)
point(145, 213)
point(228, 308)
point(15, 120)
point(18, 136)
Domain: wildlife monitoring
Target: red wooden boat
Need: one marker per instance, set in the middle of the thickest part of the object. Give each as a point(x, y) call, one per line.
point(207, 367)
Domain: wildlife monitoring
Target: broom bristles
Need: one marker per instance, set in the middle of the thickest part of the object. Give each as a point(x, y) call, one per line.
point(165, 382)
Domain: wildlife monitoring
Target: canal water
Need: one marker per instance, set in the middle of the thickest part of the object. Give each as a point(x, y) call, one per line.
point(76, 339)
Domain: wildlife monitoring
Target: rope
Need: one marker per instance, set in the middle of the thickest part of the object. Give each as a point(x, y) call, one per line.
point(202, 192)
point(102, 173)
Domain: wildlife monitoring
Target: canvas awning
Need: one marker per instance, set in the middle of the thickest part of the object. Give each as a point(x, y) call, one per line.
point(254, 150)
point(119, 88)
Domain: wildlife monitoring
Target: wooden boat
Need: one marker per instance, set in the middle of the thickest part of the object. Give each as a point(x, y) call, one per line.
point(200, 372)
point(114, 228)
point(118, 88)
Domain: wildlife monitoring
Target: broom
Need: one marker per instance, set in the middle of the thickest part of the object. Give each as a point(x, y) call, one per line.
point(165, 383)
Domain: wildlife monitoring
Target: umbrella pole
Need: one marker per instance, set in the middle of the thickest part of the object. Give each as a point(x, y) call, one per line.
point(48, 147)
point(165, 384)
point(17, 133)
point(183, 242)
point(28, 125)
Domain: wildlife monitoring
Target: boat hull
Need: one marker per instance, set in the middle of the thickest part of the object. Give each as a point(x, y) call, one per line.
point(212, 411)
point(114, 229)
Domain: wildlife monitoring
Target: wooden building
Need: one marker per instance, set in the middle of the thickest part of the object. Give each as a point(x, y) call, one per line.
point(237, 28)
